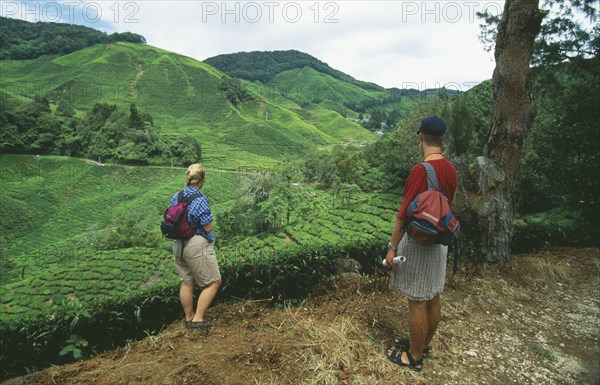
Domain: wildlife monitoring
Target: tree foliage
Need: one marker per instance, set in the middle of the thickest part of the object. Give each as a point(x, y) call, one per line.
point(561, 151)
point(569, 32)
point(103, 133)
point(186, 149)
point(561, 157)
point(267, 202)
point(233, 90)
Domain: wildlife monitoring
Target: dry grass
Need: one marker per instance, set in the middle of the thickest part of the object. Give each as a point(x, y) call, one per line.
point(340, 352)
point(552, 270)
point(557, 266)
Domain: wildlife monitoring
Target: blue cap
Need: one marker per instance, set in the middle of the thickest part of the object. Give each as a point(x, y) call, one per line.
point(433, 125)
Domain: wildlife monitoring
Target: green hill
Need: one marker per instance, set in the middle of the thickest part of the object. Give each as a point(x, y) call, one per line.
point(303, 79)
point(313, 84)
point(309, 85)
point(184, 97)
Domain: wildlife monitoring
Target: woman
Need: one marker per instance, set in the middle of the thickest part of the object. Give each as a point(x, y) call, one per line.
point(195, 258)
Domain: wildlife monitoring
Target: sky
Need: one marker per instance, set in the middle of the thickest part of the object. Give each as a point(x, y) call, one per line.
point(403, 44)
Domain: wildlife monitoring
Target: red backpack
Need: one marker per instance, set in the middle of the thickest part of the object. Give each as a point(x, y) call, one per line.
point(430, 219)
point(175, 224)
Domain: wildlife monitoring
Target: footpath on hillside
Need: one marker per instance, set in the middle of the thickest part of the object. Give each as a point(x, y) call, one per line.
point(534, 322)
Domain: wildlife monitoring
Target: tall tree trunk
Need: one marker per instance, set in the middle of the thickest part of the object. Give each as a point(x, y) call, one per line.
point(488, 230)
point(513, 109)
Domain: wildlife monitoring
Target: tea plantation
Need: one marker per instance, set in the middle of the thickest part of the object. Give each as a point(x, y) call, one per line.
point(76, 231)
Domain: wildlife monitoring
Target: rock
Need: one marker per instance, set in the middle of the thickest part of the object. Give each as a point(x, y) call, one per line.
point(489, 173)
point(348, 277)
point(349, 265)
point(471, 353)
point(460, 204)
point(542, 339)
point(490, 301)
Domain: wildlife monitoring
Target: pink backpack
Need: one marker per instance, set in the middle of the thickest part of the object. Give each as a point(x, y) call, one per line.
point(175, 224)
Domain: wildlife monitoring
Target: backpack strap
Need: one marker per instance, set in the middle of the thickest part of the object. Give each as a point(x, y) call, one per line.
point(191, 198)
point(187, 200)
point(431, 177)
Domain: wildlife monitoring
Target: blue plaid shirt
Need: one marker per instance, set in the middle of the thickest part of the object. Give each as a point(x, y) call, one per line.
point(198, 211)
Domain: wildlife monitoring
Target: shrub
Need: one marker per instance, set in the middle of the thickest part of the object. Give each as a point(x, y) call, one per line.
point(557, 227)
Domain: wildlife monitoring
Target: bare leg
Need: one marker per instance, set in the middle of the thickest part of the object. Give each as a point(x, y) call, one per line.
point(205, 299)
point(186, 297)
point(417, 311)
point(434, 313)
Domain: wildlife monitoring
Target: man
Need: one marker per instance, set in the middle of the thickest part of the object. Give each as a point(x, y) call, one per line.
point(420, 278)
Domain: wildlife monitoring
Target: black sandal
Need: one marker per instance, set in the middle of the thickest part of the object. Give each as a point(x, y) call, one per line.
point(199, 325)
point(404, 345)
point(395, 356)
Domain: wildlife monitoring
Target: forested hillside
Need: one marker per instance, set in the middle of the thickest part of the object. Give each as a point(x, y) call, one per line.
point(24, 40)
point(263, 66)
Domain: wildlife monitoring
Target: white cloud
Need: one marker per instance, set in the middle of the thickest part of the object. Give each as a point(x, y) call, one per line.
point(386, 42)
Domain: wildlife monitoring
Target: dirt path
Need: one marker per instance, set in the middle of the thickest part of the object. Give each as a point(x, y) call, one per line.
point(536, 322)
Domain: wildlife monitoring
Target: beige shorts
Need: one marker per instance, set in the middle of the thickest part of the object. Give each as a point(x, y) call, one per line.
point(198, 261)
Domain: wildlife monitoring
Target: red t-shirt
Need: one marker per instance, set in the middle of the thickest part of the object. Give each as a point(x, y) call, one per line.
point(417, 182)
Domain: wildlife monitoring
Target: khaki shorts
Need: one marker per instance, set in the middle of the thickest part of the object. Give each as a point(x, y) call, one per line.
point(198, 261)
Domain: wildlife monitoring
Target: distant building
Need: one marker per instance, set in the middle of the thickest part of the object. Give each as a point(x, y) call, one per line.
point(359, 121)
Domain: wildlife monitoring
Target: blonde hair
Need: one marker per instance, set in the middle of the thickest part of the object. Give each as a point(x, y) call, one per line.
point(194, 175)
